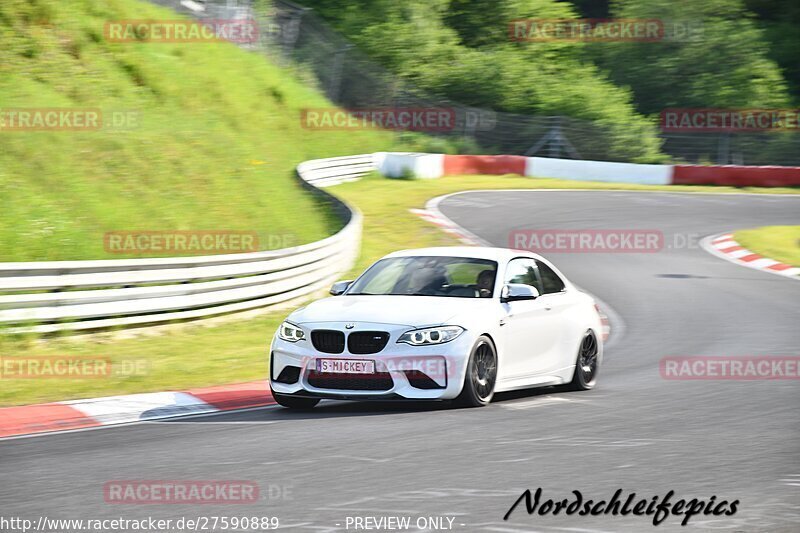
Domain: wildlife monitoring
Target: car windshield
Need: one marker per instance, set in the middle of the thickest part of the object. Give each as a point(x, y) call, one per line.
point(455, 277)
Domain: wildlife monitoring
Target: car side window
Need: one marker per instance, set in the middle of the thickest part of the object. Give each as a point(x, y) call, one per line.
point(523, 271)
point(551, 282)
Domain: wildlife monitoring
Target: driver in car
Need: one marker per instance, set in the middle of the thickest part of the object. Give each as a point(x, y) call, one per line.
point(485, 283)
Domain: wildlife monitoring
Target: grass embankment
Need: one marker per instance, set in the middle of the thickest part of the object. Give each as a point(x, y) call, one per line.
point(237, 351)
point(211, 141)
point(781, 243)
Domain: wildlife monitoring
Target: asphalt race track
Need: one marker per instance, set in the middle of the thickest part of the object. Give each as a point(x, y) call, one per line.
point(636, 431)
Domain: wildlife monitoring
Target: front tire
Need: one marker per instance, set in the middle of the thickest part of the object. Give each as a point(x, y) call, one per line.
point(587, 363)
point(481, 375)
point(294, 402)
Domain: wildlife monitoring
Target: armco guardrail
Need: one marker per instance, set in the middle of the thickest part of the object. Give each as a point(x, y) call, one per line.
point(44, 297)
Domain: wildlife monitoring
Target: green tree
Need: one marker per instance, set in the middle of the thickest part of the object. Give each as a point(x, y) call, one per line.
point(461, 51)
point(723, 65)
point(780, 19)
point(479, 22)
point(598, 9)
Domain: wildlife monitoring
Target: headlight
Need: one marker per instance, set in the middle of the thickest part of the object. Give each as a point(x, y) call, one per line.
point(290, 332)
point(438, 335)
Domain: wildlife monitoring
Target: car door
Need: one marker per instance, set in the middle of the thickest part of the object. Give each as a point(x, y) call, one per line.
point(529, 326)
point(557, 302)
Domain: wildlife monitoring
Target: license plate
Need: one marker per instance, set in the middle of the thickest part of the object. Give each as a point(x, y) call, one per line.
point(345, 366)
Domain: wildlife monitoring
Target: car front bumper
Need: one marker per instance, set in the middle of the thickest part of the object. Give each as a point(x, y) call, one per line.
point(402, 371)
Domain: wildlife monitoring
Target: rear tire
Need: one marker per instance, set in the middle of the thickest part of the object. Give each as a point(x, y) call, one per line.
point(294, 402)
point(587, 363)
point(481, 375)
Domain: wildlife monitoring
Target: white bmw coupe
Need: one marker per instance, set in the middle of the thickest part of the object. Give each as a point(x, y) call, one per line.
point(457, 323)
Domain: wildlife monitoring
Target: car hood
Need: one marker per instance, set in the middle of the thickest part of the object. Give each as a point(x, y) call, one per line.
point(413, 311)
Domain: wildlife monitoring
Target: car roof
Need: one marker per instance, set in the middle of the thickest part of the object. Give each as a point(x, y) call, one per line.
point(478, 252)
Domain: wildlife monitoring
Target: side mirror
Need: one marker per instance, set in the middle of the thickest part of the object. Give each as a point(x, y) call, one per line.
point(517, 291)
point(339, 287)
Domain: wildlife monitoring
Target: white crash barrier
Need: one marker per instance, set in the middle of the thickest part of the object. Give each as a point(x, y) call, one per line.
point(398, 165)
point(544, 167)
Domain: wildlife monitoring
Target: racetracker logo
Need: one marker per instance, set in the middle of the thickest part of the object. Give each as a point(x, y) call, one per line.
point(587, 241)
point(180, 492)
point(69, 367)
point(542, 30)
point(180, 242)
point(240, 31)
point(676, 120)
point(67, 119)
point(55, 367)
point(745, 368)
point(406, 119)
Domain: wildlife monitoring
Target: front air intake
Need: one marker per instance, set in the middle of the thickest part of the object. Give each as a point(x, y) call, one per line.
point(381, 381)
point(289, 375)
point(420, 380)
